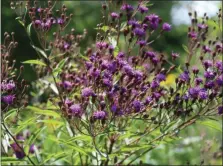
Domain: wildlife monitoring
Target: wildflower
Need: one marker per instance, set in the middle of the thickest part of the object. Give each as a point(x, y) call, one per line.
point(128, 70)
point(86, 92)
point(206, 49)
point(60, 21)
point(219, 80)
point(127, 7)
point(185, 76)
point(150, 54)
point(141, 43)
point(67, 85)
point(198, 81)
point(75, 110)
point(121, 55)
point(7, 86)
point(160, 77)
point(143, 9)
point(201, 26)
point(153, 21)
point(209, 74)
point(114, 15)
point(209, 84)
point(99, 115)
point(32, 149)
point(174, 55)
point(137, 105)
point(139, 32)
point(220, 110)
point(148, 100)
point(203, 94)
point(207, 64)
point(166, 27)
point(134, 23)
point(18, 151)
point(192, 35)
point(193, 92)
point(9, 99)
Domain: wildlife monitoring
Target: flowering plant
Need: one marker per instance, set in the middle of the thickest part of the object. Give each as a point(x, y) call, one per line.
point(107, 105)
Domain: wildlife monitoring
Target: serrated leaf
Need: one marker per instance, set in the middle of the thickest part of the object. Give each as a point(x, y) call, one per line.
point(40, 51)
point(43, 112)
point(36, 62)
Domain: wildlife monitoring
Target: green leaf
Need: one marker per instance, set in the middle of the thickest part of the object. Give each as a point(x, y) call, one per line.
point(212, 124)
point(186, 49)
point(36, 62)
point(7, 160)
point(28, 29)
point(80, 137)
point(9, 113)
point(40, 51)
point(24, 124)
point(35, 135)
point(43, 112)
point(83, 57)
point(129, 148)
point(20, 21)
point(51, 121)
point(59, 67)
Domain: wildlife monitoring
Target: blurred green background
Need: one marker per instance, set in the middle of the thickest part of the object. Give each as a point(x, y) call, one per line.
point(198, 142)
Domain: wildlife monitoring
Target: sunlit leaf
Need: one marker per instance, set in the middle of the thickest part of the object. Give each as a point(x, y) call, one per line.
point(36, 62)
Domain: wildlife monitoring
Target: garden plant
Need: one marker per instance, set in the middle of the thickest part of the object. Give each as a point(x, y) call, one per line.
point(112, 102)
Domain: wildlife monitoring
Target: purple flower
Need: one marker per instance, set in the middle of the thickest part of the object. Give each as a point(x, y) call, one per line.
point(166, 27)
point(37, 22)
point(32, 149)
point(128, 70)
point(160, 77)
point(192, 35)
point(66, 46)
point(127, 7)
point(220, 110)
point(95, 72)
point(60, 21)
point(67, 85)
point(68, 102)
point(175, 55)
point(86, 92)
point(150, 54)
point(134, 23)
point(148, 100)
point(121, 55)
point(99, 115)
point(195, 70)
point(198, 81)
point(219, 80)
point(209, 84)
point(203, 94)
point(153, 21)
point(209, 74)
point(155, 60)
point(107, 82)
point(112, 66)
point(141, 43)
point(114, 15)
point(18, 151)
point(193, 92)
point(75, 109)
point(154, 84)
point(156, 95)
point(7, 86)
point(137, 105)
point(114, 108)
point(143, 9)
point(138, 75)
point(207, 63)
point(139, 32)
point(219, 65)
point(202, 26)
point(185, 76)
point(206, 49)
point(9, 99)
point(88, 65)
